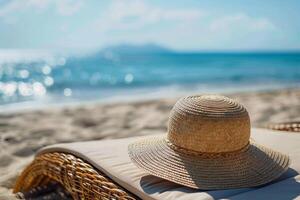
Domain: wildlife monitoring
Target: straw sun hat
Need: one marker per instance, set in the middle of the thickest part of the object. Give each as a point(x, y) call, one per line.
point(208, 146)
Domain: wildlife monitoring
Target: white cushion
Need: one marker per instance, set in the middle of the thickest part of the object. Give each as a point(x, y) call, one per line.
point(110, 157)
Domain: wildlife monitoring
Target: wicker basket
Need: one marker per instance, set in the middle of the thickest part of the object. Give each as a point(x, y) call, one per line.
point(80, 179)
point(285, 126)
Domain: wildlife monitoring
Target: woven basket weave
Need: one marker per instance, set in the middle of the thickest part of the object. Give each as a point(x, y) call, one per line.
point(79, 178)
point(285, 126)
point(82, 180)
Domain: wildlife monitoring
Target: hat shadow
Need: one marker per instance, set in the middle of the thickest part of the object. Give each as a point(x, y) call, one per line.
point(152, 184)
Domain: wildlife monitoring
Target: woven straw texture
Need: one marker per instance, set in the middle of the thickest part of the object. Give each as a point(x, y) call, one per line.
point(255, 165)
point(208, 147)
point(79, 178)
point(285, 126)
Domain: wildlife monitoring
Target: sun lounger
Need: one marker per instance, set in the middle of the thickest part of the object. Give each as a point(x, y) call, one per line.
point(103, 170)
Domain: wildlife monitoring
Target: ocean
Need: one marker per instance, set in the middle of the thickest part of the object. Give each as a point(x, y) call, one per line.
point(41, 78)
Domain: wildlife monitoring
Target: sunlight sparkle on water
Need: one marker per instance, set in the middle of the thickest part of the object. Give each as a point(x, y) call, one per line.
point(46, 69)
point(24, 73)
point(67, 92)
point(128, 78)
point(48, 81)
point(8, 89)
point(38, 89)
point(25, 89)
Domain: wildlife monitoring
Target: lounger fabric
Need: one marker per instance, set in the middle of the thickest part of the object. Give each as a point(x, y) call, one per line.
point(111, 157)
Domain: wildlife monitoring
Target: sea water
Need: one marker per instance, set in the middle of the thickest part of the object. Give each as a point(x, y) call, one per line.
point(103, 76)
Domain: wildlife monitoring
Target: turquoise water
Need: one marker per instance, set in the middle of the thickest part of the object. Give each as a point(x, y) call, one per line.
point(107, 75)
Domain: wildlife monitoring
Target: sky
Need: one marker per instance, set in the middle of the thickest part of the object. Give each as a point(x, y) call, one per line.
point(190, 25)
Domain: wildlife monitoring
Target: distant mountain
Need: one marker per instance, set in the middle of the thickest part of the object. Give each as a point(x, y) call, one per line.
point(135, 49)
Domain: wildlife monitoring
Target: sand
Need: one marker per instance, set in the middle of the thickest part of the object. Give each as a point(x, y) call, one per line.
point(23, 133)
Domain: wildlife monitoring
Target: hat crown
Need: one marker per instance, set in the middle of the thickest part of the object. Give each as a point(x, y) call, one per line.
point(209, 123)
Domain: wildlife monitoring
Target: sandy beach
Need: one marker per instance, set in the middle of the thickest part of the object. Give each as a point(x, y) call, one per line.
point(24, 132)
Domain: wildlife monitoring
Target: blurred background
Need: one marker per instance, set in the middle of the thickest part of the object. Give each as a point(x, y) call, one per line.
point(63, 51)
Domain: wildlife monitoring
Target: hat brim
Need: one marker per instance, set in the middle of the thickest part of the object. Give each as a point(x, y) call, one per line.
point(256, 165)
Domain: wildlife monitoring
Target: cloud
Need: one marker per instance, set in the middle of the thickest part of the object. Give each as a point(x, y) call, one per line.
point(192, 24)
point(137, 14)
point(241, 21)
point(141, 21)
point(10, 8)
point(68, 7)
point(234, 31)
point(126, 21)
point(63, 7)
point(181, 28)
